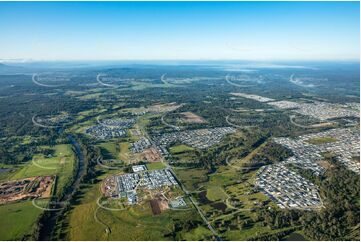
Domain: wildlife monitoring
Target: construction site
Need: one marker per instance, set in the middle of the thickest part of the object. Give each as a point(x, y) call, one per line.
point(33, 187)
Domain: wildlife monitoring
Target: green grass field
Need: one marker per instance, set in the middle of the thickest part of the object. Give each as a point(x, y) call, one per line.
point(20, 218)
point(215, 193)
point(197, 234)
point(156, 165)
point(143, 85)
point(247, 233)
point(6, 174)
point(88, 222)
point(177, 149)
point(220, 187)
point(62, 165)
point(17, 220)
point(321, 140)
point(109, 150)
point(90, 96)
point(191, 178)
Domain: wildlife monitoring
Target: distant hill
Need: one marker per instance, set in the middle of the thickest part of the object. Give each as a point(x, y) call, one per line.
point(8, 69)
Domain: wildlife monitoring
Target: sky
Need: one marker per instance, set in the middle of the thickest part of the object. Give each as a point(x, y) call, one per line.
point(180, 30)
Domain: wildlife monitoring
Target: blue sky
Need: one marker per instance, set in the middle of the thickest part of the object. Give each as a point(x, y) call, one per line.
point(180, 30)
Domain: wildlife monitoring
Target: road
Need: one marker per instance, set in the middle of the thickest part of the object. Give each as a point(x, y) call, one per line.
point(210, 227)
point(167, 124)
point(235, 125)
point(292, 117)
point(162, 78)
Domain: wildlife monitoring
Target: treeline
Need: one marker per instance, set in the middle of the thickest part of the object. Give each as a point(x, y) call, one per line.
point(231, 147)
point(340, 191)
point(14, 151)
point(179, 227)
point(271, 153)
point(272, 236)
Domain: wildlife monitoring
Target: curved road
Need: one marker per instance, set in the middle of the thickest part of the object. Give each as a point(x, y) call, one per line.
point(42, 125)
point(167, 124)
point(209, 225)
point(312, 126)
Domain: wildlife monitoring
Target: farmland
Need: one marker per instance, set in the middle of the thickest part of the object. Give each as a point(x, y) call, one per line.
point(18, 220)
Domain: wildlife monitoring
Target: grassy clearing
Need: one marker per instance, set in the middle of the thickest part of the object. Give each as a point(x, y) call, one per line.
point(244, 204)
point(135, 223)
point(216, 194)
point(61, 164)
point(223, 179)
point(27, 140)
point(133, 138)
point(90, 96)
point(230, 199)
point(321, 140)
point(81, 128)
point(197, 234)
point(180, 149)
point(109, 150)
point(7, 171)
point(191, 178)
point(143, 85)
point(144, 121)
point(17, 220)
point(82, 225)
point(125, 154)
point(186, 157)
point(247, 233)
point(74, 93)
point(138, 223)
point(87, 113)
point(156, 165)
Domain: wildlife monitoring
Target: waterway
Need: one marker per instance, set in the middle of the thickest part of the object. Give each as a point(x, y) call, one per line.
point(47, 230)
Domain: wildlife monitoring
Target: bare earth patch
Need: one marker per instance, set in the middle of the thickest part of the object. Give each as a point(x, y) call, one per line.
point(62, 160)
point(189, 117)
point(31, 187)
point(152, 155)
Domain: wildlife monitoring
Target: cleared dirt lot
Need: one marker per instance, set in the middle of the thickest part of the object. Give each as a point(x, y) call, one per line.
point(152, 155)
point(15, 190)
point(189, 117)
